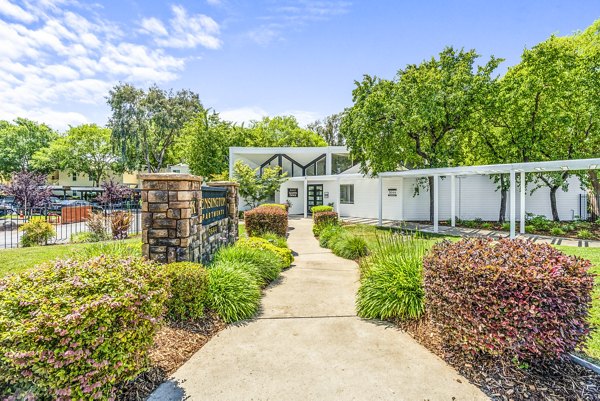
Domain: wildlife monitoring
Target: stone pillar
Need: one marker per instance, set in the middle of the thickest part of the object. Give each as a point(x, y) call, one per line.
point(171, 215)
point(232, 206)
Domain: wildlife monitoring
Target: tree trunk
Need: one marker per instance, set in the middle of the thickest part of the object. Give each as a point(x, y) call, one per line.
point(503, 197)
point(431, 196)
point(594, 193)
point(553, 203)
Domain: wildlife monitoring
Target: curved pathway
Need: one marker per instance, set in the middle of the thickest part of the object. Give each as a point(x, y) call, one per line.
point(308, 344)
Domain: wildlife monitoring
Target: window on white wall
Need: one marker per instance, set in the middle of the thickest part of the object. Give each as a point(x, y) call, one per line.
point(74, 177)
point(347, 193)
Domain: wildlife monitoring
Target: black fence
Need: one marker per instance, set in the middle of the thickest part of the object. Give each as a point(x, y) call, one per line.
point(214, 204)
point(589, 207)
point(68, 222)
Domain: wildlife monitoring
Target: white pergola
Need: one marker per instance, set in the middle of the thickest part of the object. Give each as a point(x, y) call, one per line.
point(511, 169)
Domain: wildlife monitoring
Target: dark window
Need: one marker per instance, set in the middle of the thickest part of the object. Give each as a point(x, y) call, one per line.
point(347, 193)
point(340, 163)
point(74, 176)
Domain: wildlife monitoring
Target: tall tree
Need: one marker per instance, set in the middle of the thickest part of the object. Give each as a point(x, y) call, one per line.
point(83, 149)
point(29, 190)
point(419, 119)
point(18, 143)
point(329, 129)
point(279, 131)
point(254, 187)
point(146, 124)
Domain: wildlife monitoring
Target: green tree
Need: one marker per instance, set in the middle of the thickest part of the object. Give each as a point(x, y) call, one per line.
point(278, 131)
point(329, 129)
point(255, 188)
point(146, 125)
point(18, 143)
point(419, 119)
point(83, 149)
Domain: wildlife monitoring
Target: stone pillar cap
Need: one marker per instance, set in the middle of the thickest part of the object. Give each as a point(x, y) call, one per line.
point(222, 184)
point(169, 177)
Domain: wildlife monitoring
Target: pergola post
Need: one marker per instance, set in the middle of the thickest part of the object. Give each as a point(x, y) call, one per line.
point(522, 211)
point(380, 200)
point(435, 203)
point(337, 199)
point(401, 194)
point(453, 200)
point(512, 204)
point(305, 197)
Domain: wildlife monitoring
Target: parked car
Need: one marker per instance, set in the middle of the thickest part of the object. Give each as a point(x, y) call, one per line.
point(78, 202)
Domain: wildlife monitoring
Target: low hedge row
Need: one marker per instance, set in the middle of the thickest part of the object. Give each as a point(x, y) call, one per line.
point(340, 241)
point(321, 208)
point(282, 206)
point(508, 298)
point(267, 219)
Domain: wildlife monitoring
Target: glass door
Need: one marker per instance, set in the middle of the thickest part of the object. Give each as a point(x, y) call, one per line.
point(314, 197)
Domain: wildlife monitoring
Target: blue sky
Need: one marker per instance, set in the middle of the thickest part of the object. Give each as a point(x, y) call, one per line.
point(246, 59)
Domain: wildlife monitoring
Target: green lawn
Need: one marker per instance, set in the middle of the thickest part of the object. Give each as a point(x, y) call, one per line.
point(16, 260)
point(369, 233)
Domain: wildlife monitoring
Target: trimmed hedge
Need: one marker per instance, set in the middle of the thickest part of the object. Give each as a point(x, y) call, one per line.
point(279, 205)
point(268, 219)
point(321, 208)
point(284, 254)
point(508, 298)
point(325, 218)
point(189, 286)
point(72, 329)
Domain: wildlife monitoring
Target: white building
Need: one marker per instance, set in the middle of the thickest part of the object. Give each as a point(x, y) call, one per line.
point(325, 175)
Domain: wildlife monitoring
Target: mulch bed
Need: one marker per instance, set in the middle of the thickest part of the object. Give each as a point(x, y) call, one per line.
point(174, 344)
point(504, 380)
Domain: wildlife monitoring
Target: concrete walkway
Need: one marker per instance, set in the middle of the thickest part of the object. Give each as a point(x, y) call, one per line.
point(308, 344)
point(474, 232)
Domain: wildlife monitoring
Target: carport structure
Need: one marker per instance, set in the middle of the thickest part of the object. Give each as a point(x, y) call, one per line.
point(492, 169)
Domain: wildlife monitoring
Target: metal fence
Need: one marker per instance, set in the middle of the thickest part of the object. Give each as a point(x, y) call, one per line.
point(66, 221)
point(589, 207)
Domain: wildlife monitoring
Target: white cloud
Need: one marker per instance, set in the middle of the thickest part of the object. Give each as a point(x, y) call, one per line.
point(214, 2)
point(186, 31)
point(14, 11)
point(53, 57)
point(248, 114)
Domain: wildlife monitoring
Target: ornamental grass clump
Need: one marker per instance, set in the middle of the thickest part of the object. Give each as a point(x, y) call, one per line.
point(267, 219)
point(189, 290)
point(284, 254)
point(232, 292)
point(275, 239)
point(348, 246)
point(263, 266)
point(510, 299)
point(327, 233)
point(391, 284)
point(72, 329)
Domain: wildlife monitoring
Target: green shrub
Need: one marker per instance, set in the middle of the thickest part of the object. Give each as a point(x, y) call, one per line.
point(508, 298)
point(469, 223)
point(538, 223)
point(113, 248)
point(557, 231)
point(530, 229)
point(321, 208)
point(275, 239)
point(263, 265)
point(349, 246)
point(487, 225)
point(86, 236)
point(37, 232)
point(506, 226)
point(327, 233)
point(392, 282)
point(232, 293)
point(285, 255)
point(322, 218)
point(189, 290)
point(585, 234)
point(263, 220)
point(72, 329)
point(279, 205)
point(96, 223)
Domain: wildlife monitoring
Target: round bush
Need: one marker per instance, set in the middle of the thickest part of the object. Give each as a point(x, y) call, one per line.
point(349, 246)
point(392, 284)
point(285, 255)
point(232, 292)
point(268, 219)
point(263, 266)
point(72, 329)
point(189, 290)
point(509, 298)
point(36, 232)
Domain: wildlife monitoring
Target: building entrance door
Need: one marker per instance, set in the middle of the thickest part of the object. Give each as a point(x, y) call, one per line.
point(314, 196)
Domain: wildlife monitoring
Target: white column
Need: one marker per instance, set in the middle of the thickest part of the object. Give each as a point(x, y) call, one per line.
point(305, 197)
point(337, 199)
point(328, 162)
point(453, 200)
point(380, 200)
point(523, 189)
point(401, 195)
point(512, 204)
point(435, 204)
